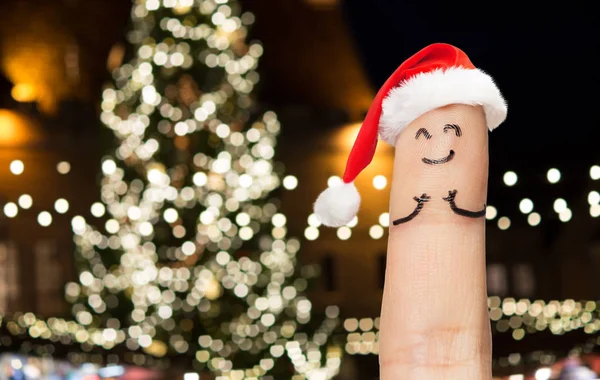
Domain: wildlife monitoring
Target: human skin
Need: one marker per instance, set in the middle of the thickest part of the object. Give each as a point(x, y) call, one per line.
point(434, 319)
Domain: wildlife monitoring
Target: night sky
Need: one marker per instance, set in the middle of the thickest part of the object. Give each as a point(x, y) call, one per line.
point(544, 60)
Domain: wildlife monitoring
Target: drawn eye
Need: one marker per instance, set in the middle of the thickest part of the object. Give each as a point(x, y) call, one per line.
point(456, 128)
point(423, 132)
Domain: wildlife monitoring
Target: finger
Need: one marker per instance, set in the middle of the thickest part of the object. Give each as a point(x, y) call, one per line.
point(434, 321)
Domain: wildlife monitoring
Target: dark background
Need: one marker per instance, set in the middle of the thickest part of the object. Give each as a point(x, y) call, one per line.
point(321, 67)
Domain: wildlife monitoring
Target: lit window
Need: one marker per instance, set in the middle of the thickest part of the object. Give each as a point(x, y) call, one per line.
point(49, 267)
point(496, 279)
point(523, 280)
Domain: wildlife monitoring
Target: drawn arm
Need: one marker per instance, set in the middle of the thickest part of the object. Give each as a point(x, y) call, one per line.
point(424, 198)
point(462, 212)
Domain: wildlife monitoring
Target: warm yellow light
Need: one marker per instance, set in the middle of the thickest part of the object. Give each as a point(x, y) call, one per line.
point(213, 289)
point(323, 4)
point(24, 92)
point(156, 348)
point(115, 57)
point(16, 129)
point(347, 135)
point(379, 182)
point(17, 167)
point(63, 167)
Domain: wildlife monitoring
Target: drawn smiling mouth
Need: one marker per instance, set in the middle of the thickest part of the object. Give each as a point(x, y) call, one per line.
point(439, 161)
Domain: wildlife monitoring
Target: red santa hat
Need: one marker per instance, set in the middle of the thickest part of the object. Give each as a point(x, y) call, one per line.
point(437, 76)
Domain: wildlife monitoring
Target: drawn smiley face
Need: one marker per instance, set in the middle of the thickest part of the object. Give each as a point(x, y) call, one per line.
point(438, 161)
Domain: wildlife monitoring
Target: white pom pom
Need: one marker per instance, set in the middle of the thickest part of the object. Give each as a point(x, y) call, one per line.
point(338, 205)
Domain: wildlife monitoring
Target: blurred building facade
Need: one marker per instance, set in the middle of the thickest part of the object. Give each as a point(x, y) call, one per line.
point(47, 178)
point(52, 65)
point(313, 76)
point(543, 241)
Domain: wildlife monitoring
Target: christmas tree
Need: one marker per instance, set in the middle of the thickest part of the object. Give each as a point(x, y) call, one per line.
point(194, 260)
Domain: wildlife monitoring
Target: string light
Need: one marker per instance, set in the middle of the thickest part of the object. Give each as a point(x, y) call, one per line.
point(17, 167)
point(225, 186)
point(195, 264)
point(353, 222)
point(595, 172)
point(560, 205)
point(504, 223)
point(565, 215)
point(11, 210)
point(334, 181)
point(232, 177)
point(290, 182)
point(44, 218)
point(376, 232)
point(61, 206)
point(25, 201)
point(344, 233)
point(526, 206)
point(510, 178)
point(553, 175)
point(593, 197)
point(534, 219)
point(490, 212)
point(543, 374)
point(379, 182)
point(63, 167)
point(384, 219)
point(517, 317)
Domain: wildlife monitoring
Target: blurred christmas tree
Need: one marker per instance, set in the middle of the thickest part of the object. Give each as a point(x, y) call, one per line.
point(194, 260)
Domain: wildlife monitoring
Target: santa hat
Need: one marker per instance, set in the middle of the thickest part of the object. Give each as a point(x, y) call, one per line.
point(436, 76)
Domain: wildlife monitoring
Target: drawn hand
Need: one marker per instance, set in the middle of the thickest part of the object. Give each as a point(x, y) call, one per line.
point(461, 211)
point(420, 202)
